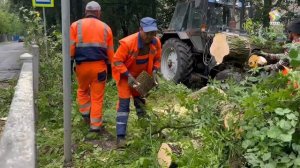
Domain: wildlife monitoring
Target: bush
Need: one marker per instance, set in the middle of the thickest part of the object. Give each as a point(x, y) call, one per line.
point(10, 23)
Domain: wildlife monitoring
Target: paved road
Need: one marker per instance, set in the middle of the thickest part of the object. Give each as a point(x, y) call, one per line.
point(10, 64)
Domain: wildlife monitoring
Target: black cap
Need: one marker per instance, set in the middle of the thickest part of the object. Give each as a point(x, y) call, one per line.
point(294, 26)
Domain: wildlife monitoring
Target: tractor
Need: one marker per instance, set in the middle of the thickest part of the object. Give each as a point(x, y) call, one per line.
point(186, 56)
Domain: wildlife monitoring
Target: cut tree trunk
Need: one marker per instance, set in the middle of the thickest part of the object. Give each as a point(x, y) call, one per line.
point(239, 47)
point(227, 46)
point(165, 153)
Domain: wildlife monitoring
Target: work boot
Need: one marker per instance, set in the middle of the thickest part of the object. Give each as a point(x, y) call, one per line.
point(86, 120)
point(142, 115)
point(100, 130)
point(99, 134)
point(121, 142)
point(139, 104)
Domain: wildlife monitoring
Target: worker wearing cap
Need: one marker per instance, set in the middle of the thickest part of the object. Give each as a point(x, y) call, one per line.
point(282, 60)
point(138, 52)
point(92, 50)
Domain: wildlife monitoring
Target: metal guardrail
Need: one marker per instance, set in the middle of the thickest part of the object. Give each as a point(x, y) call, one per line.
point(18, 144)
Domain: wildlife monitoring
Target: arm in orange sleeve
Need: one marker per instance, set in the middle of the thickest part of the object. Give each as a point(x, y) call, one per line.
point(120, 58)
point(73, 34)
point(110, 45)
point(157, 57)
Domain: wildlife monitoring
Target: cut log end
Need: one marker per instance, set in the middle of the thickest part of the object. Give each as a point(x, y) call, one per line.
point(165, 153)
point(231, 46)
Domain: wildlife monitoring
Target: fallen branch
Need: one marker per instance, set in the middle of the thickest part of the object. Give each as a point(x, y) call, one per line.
point(172, 127)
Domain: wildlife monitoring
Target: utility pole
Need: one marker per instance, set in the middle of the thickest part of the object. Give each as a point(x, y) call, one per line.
point(45, 31)
point(65, 11)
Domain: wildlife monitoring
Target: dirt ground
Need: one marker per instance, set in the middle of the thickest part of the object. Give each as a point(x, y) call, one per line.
point(4, 84)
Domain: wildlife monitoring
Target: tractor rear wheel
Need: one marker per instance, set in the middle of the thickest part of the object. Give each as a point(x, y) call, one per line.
point(176, 61)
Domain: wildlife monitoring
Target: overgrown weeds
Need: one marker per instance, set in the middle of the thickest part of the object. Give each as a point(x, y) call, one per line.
point(7, 92)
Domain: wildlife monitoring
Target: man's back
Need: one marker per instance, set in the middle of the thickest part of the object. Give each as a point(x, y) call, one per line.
point(93, 30)
point(92, 40)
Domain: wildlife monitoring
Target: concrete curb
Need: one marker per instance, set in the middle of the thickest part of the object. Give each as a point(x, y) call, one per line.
point(17, 145)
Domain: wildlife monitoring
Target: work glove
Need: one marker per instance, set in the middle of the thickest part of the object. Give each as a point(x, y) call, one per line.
point(155, 77)
point(132, 81)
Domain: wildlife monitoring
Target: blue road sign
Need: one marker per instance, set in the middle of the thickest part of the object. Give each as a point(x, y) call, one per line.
point(43, 3)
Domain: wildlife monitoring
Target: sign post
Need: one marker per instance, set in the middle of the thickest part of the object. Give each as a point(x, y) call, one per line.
point(43, 4)
point(67, 83)
point(45, 31)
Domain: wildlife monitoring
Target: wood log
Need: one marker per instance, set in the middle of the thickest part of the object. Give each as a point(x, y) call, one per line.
point(219, 48)
point(146, 84)
point(165, 153)
point(227, 46)
point(231, 118)
point(197, 94)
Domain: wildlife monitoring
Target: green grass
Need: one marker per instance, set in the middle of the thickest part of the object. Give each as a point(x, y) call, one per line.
point(142, 146)
point(144, 137)
point(6, 96)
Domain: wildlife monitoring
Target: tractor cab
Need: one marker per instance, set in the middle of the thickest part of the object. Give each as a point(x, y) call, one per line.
point(211, 15)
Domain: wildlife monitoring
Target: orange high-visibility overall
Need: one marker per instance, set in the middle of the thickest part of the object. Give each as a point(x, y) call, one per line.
point(92, 49)
point(127, 60)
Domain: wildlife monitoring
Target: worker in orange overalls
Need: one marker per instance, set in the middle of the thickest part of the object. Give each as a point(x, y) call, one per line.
point(92, 50)
point(138, 52)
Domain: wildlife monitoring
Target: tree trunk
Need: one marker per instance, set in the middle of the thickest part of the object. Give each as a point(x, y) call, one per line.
point(154, 9)
point(125, 29)
point(239, 47)
point(125, 22)
point(76, 10)
point(230, 46)
point(242, 18)
point(266, 10)
point(232, 22)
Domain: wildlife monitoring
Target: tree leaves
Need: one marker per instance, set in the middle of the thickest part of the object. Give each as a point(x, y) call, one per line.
point(247, 143)
point(297, 161)
point(281, 111)
point(291, 116)
point(274, 132)
point(285, 137)
point(294, 54)
point(10, 23)
point(286, 125)
point(266, 156)
point(272, 139)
